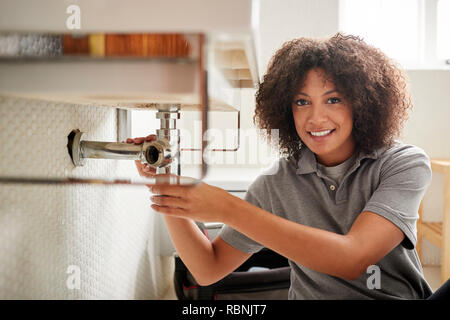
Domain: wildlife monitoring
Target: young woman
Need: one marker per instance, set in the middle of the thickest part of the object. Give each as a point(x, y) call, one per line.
point(344, 201)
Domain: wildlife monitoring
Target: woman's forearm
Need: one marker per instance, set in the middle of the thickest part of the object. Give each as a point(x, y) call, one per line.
point(193, 247)
point(320, 250)
point(317, 249)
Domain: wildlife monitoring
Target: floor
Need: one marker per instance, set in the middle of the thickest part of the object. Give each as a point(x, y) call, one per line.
point(432, 275)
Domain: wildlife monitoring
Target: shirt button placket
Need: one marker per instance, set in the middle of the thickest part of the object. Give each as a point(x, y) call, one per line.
point(332, 187)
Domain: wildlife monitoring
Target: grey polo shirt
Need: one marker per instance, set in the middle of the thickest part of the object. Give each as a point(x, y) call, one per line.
point(390, 182)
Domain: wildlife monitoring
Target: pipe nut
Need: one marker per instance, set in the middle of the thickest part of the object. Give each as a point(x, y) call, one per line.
point(159, 153)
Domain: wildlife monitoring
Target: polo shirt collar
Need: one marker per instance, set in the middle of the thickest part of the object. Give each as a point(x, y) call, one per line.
point(307, 162)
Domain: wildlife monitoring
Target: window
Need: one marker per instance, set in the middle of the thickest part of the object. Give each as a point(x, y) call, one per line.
point(415, 33)
point(443, 29)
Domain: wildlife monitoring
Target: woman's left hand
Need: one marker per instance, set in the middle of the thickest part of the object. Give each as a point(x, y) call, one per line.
point(200, 202)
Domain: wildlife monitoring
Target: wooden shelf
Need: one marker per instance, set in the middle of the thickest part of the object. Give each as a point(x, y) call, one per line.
point(135, 83)
point(128, 83)
point(440, 165)
point(432, 231)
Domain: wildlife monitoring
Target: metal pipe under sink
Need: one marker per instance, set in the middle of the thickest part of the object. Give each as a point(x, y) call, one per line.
point(162, 153)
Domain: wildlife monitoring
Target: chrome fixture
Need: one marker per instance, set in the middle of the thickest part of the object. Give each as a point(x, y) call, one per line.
point(162, 153)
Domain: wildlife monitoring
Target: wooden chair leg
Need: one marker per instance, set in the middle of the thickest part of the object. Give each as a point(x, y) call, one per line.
point(419, 247)
point(419, 234)
point(445, 275)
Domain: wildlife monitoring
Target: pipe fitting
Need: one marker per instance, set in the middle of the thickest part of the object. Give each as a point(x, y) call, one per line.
point(160, 153)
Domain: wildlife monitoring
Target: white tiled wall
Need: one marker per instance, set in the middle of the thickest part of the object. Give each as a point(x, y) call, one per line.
point(106, 232)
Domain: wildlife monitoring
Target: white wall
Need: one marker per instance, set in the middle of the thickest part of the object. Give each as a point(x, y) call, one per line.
point(428, 125)
point(283, 20)
point(109, 233)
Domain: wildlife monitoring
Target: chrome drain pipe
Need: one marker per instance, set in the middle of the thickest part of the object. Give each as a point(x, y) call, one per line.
point(162, 153)
point(167, 142)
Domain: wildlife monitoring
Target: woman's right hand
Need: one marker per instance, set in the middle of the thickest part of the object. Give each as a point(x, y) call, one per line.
point(144, 169)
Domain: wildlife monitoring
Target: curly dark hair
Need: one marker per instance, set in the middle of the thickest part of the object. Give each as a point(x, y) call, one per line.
point(373, 85)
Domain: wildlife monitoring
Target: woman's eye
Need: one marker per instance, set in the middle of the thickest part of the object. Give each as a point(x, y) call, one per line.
point(301, 102)
point(334, 100)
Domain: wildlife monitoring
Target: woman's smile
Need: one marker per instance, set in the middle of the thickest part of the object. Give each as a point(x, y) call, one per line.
point(321, 134)
point(323, 119)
